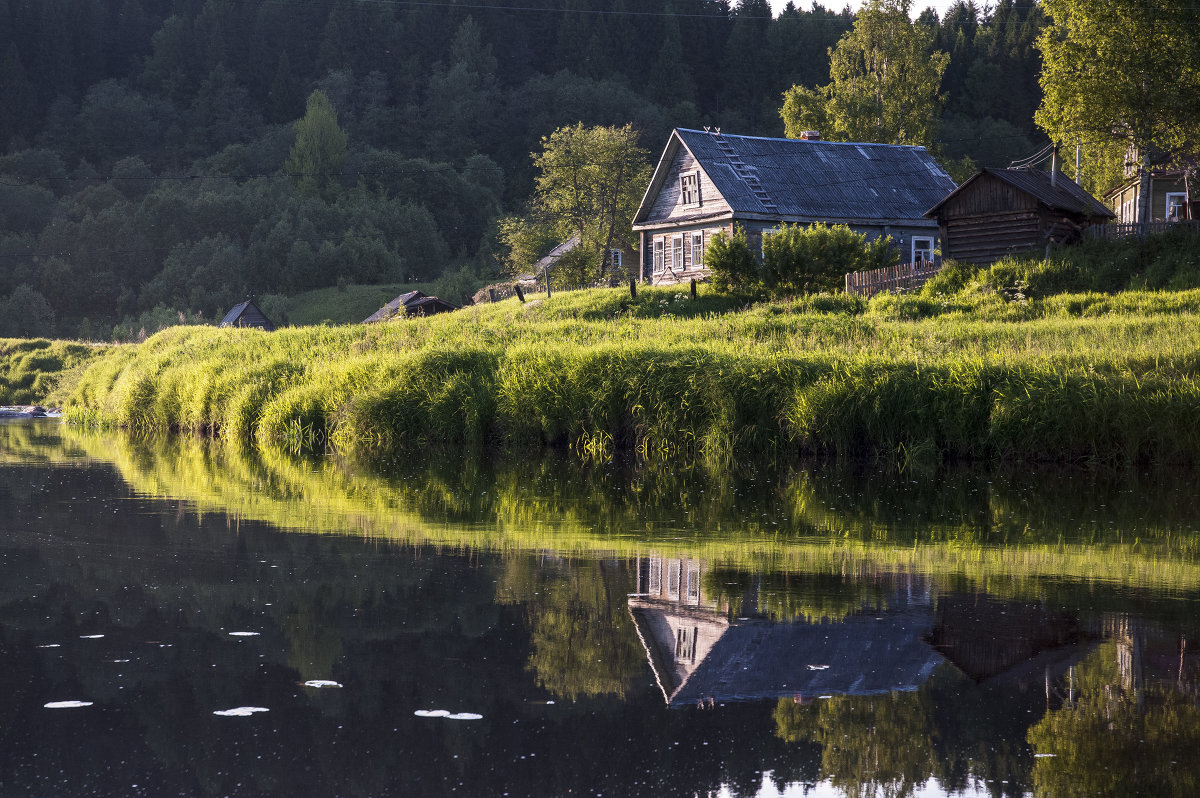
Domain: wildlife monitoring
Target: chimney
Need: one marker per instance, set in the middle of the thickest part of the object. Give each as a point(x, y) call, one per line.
point(810, 135)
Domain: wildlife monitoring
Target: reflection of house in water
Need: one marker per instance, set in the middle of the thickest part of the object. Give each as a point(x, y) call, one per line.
point(988, 638)
point(699, 651)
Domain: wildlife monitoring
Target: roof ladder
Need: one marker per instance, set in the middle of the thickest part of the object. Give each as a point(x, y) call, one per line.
point(744, 172)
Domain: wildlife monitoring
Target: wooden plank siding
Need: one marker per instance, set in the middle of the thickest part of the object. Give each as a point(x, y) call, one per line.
point(667, 206)
point(899, 279)
point(983, 239)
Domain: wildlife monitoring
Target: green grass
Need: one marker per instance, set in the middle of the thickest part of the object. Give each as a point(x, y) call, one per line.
point(1078, 378)
point(30, 370)
point(344, 305)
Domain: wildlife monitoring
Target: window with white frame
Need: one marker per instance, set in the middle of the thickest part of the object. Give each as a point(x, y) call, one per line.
point(685, 644)
point(693, 583)
point(659, 255)
point(674, 570)
point(698, 249)
point(1176, 206)
point(677, 252)
point(689, 188)
point(922, 249)
point(654, 578)
point(614, 259)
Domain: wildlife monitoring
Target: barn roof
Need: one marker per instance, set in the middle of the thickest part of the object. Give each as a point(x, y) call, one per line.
point(809, 179)
point(1064, 194)
point(411, 303)
point(247, 314)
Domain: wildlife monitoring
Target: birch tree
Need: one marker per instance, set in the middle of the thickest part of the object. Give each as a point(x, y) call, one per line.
point(1124, 75)
point(884, 83)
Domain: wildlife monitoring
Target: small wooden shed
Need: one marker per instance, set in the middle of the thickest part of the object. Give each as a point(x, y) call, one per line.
point(413, 303)
point(1000, 212)
point(247, 314)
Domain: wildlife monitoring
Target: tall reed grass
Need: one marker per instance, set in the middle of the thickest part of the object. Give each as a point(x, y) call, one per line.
point(1084, 377)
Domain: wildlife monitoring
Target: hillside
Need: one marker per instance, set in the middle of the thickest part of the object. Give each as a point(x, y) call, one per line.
point(145, 145)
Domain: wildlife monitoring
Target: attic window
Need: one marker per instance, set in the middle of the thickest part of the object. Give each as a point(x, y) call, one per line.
point(689, 189)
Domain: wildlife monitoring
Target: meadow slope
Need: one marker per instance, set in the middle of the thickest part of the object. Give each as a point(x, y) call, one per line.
point(1082, 377)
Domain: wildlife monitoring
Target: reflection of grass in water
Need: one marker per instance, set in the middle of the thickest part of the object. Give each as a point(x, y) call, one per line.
point(826, 526)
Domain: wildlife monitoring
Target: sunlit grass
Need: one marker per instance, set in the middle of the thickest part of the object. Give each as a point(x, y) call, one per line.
point(710, 376)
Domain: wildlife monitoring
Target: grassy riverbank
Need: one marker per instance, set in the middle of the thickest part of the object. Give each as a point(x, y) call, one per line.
point(1109, 378)
point(34, 371)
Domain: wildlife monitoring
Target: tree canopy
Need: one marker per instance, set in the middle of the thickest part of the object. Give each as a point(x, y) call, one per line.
point(589, 183)
point(885, 77)
point(1122, 75)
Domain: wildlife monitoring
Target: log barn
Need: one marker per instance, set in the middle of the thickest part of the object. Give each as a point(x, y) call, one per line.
point(1001, 212)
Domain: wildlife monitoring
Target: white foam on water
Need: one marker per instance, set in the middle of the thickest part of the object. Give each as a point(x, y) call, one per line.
point(244, 634)
point(319, 683)
point(240, 712)
point(90, 637)
point(464, 716)
point(432, 713)
point(51, 645)
point(119, 660)
point(67, 704)
point(1043, 756)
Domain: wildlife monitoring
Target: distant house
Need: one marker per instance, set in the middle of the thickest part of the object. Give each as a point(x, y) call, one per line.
point(707, 182)
point(1000, 212)
point(1171, 198)
point(414, 303)
point(620, 258)
point(247, 314)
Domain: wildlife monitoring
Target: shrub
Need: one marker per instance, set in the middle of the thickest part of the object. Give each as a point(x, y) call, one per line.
point(731, 263)
point(806, 260)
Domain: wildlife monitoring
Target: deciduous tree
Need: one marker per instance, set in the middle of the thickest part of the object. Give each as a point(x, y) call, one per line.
point(589, 183)
point(1123, 74)
point(320, 149)
point(884, 84)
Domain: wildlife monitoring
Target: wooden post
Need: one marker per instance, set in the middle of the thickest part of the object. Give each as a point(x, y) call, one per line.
point(632, 288)
point(519, 292)
point(491, 295)
point(693, 288)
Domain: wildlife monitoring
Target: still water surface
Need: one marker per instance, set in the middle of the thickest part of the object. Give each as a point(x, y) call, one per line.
point(181, 618)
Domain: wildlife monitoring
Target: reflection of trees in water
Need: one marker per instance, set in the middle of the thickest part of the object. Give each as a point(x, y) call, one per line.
point(950, 729)
point(1117, 734)
point(581, 641)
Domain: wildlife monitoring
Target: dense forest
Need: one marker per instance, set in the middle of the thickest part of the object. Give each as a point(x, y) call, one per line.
point(145, 143)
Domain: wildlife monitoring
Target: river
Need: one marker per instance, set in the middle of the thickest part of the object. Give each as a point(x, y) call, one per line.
point(181, 617)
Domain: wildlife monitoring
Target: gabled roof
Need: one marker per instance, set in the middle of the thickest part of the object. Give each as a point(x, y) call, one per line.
point(413, 303)
point(808, 179)
point(247, 314)
point(1063, 195)
point(553, 255)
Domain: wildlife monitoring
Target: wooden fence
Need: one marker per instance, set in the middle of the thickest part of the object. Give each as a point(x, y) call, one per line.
point(1109, 232)
point(900, 278)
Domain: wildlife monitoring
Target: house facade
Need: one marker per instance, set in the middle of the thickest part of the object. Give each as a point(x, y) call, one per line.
point(1001, 212)
point(1171, 198)
point(708, 182)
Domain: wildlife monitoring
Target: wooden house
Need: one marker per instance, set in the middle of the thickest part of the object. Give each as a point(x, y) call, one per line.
point(1170, 198)
point(413, 303)
point(707, 182)
point(247, 314)
point(620, 261)
point(1000, 212)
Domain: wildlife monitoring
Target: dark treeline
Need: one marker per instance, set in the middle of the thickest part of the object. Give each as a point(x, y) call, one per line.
point(143, 142)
